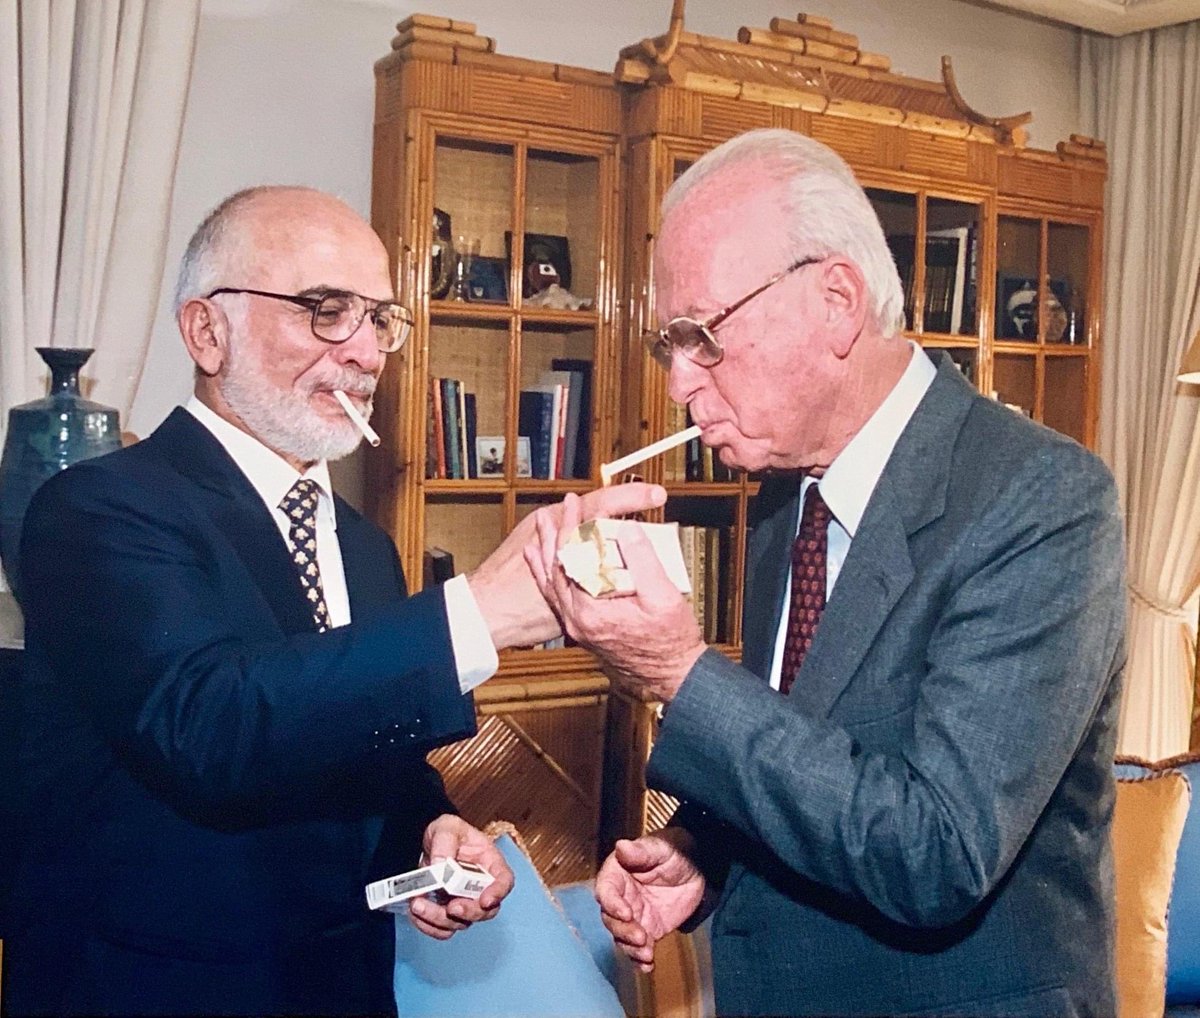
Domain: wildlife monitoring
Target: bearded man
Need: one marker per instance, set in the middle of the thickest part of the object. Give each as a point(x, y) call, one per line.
point(228, 695)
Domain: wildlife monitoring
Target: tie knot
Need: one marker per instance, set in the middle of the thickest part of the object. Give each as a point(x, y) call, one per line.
point(816, 512)
point(300, 503)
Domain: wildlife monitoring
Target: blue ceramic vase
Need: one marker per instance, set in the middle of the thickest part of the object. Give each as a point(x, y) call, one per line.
point(44, 437)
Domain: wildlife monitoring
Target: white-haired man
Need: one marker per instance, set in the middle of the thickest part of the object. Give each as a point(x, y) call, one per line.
point(900, 800)
point(228, 695)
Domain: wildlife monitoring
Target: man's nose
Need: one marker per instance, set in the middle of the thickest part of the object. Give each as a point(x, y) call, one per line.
point(362, 348)
point(685, 379)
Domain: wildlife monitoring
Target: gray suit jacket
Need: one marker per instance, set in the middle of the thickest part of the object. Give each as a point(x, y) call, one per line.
point(922, 826)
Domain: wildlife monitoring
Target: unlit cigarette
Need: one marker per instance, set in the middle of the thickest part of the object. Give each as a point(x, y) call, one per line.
point(356, 417)
point(609, 470)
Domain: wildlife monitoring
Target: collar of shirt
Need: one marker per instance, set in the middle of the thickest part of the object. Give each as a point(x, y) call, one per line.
point(852, 476)
point(270, 475)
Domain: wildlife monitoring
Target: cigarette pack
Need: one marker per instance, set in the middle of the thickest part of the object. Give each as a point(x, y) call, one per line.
point(451, 876)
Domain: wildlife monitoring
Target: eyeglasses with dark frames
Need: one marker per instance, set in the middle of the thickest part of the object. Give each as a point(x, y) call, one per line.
point(695, 339)
point(337, 314)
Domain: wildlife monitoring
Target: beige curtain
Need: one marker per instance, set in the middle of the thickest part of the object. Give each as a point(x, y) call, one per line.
point(92, 96)
point(1142, 94)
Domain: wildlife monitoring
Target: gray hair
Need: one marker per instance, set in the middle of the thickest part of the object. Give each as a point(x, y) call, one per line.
point(827, 210)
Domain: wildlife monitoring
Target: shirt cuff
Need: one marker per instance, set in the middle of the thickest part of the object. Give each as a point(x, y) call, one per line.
point(474, 653)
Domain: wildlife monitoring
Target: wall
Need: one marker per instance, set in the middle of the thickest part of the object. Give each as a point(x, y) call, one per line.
point(282, 92)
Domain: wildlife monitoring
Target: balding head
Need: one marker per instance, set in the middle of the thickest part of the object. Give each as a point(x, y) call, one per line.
point(238, 232)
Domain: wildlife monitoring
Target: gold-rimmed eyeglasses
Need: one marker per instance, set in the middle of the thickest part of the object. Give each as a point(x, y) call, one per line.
point(337, 314)
point(695, 339)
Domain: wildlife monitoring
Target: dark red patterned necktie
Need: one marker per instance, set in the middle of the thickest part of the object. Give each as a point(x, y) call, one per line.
point(808, 585)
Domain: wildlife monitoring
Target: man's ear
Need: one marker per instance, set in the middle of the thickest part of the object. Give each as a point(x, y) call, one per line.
point(846, 303)
point(205, 331)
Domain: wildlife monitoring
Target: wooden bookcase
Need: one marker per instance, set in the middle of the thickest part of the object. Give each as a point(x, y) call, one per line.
point(999, 246)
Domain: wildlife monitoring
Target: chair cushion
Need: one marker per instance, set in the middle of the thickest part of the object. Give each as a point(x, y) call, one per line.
point(1147, 824)
point(528, 961)
point(1183, 928)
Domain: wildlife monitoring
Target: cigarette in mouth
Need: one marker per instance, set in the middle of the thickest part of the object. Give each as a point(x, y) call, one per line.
point(610, 470)
point(356, 417)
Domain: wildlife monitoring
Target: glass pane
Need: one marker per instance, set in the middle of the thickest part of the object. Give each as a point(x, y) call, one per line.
point(468, 529)
point(1014, 381)
point(555, 411)
point(706, 536)
point(465, 398)
point(1067, 264)
point(1065, 398)
point(472, 198)
point(951, 259)
point(967, 361)
point(561, 248)
point(679, 168)
point(897, 214)
point(1016, 282)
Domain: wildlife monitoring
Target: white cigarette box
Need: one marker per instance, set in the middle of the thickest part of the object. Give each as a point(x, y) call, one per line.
point(455, 878)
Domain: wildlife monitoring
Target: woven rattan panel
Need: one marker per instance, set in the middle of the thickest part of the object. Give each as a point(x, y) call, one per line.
point(539, 769)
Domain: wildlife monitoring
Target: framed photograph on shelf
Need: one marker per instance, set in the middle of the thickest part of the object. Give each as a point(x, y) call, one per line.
point(488, 281)
point(545, 260)
point(524, 458)
point(1017, 308)
point(489, 454)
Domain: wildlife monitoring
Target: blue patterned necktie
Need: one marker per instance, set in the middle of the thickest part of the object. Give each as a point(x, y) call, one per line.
point(300, 506)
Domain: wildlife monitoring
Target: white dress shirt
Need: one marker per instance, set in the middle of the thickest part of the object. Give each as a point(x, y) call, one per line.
point(851, 478)
point(272, 477)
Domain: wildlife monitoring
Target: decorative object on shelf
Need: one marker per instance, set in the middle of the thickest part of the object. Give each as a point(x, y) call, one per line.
point(546, 260)
point(441, 256)
point(466, 251)
point(44, 437)
point(1016, 308)
point(489, 450)
point(488, 281)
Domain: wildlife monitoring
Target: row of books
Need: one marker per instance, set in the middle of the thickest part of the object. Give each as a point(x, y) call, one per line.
point(951, 277)
point(692, 461)
point(450, 430)
point(555, 415)
point(708, 555)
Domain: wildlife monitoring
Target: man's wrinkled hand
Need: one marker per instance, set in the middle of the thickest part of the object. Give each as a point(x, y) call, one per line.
point(510, 600)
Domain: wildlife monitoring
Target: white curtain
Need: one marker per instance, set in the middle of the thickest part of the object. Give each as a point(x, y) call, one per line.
point(92, 97)
point(1142, 93)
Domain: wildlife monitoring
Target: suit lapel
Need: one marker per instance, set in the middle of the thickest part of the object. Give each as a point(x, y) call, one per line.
point(226, 496)
point(911, 493)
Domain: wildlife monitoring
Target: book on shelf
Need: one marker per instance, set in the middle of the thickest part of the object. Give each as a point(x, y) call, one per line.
point(437, 567)
point(580, 371)
point(437, 426)
point(450, 424)
point(536, 421)
point(432, 430)
point(472, 428)
point(945, 279)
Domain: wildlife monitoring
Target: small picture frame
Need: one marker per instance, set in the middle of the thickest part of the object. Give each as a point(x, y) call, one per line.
point(524, 458)
point(489, 454)
point(488, 281)
point(546, 259)
point(1017, 308)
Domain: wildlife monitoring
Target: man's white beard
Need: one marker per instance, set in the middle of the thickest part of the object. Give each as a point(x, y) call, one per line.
point(284, 420)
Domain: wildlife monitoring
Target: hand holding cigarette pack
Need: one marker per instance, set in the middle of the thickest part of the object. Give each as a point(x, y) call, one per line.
point(592, 558)
point(453, 877)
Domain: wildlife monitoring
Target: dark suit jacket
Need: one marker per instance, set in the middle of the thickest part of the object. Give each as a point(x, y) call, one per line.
point(922, 826)
point(211, 782)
